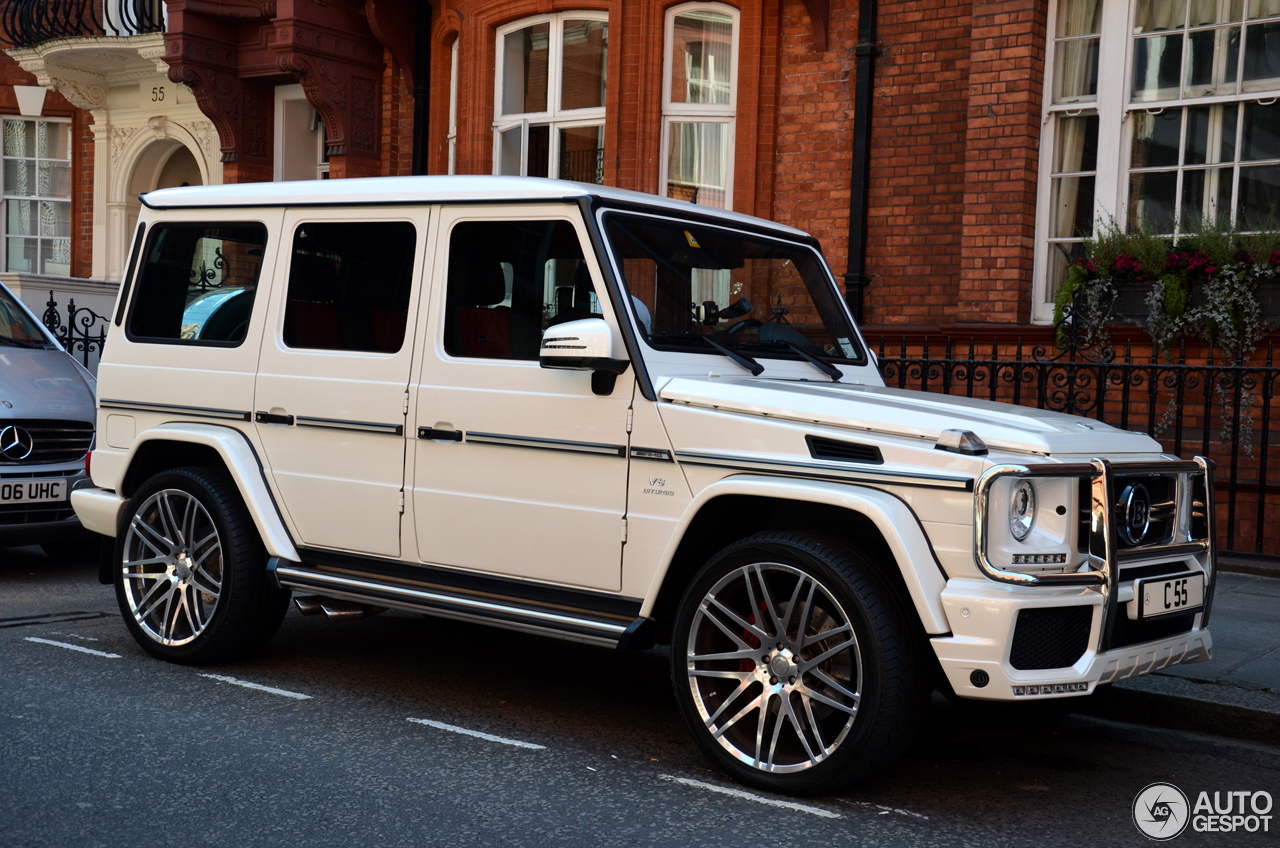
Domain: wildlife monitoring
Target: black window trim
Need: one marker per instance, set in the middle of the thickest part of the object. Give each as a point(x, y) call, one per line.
point(604, 210)
point(150, 236)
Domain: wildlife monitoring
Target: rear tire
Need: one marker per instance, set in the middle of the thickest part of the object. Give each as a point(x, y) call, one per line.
point(190, 573)
point(795, 666)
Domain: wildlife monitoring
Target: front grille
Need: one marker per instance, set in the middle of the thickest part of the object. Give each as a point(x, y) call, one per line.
point(1126, 631)
point(39, 513)
point(1050, 637)
point(52, 440)
point(1162, 491)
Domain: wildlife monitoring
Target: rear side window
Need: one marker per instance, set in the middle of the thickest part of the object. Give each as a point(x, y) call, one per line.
point(197, 283)
point(349, 286)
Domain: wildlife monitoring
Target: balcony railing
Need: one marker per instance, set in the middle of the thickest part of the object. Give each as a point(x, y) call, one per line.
point(25, 23)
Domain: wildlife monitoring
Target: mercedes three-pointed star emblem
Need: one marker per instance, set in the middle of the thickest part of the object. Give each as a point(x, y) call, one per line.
point(16, 443)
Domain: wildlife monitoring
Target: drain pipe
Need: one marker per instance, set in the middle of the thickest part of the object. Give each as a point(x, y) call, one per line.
point(421, 88)
point(855, 277)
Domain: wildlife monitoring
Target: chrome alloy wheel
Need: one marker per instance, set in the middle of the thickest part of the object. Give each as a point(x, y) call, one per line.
point(774, 667)
point(172, 567)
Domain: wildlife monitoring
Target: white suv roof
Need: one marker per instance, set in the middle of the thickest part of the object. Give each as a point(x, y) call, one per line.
point(441, 189)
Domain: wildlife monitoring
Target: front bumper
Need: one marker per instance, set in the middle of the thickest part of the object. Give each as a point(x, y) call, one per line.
point(984, 618)
point(31, 524)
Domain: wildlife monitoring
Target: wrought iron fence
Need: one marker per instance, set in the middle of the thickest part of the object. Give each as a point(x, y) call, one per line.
point(78, 334)
point(24, 23)
point(1226, 411)
point(584, 166)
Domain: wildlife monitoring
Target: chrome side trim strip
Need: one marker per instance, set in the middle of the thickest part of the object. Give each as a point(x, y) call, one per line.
point(200, 411)
point(423, 600)
point(546, 444)
point(342, 424)
point(831, 472)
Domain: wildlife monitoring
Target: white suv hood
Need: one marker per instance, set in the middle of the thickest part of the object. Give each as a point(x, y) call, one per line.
point(904, 412)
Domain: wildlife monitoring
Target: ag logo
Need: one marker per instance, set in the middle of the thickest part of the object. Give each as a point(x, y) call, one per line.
point(1161, 812)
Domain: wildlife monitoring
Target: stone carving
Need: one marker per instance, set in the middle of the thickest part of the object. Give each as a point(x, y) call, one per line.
point(119, 139)
point(81, 93)
point(206, 137)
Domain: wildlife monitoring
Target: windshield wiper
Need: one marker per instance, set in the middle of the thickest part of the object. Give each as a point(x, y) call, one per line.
point(16, 343)
point(821, 364)
point(740, 359)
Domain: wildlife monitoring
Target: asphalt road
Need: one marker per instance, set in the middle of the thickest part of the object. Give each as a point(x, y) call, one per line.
point(124, 750)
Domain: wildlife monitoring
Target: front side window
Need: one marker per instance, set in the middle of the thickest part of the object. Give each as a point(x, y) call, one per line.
point(699, 104)
point(16, 327)
point(696, 286)
point(550, 99)
point(509, 281)
point(197, 283)
point(349, 286)
point(37, 196)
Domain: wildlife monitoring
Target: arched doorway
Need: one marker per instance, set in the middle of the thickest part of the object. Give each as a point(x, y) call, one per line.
point(164, 163)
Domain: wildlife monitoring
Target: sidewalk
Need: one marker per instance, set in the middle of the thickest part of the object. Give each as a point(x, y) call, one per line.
point(1237, 693)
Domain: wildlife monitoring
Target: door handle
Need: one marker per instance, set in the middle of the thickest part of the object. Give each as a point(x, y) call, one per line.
point(272, 418)
point(442, 435)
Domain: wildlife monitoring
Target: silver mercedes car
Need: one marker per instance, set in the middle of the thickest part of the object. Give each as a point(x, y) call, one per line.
point(46, 429)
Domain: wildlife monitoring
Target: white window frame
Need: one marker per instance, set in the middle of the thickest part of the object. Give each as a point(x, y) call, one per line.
point(452, 136)
point(702, 113)
point(5, 197)
point(555, 117)
point(1115, 107)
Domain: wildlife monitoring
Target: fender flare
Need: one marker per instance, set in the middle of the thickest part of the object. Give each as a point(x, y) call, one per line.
point(242, 464)
point(897, 523)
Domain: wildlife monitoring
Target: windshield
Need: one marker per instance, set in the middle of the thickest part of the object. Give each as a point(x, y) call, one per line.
point(698, 287)
point(15, 327)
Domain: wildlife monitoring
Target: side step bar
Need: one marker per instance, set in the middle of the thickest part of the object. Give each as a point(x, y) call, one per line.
point(624, 632)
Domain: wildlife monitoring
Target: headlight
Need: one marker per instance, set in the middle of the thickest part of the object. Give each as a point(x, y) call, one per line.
point(1022, 509)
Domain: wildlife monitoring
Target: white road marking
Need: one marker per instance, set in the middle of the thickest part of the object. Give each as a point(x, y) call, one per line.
point(747, 796)
point(246, 684)
point(79, 648)
point(884, 810)
point(439, 725)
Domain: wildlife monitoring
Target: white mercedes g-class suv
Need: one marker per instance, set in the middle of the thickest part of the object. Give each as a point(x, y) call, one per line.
point(610, 417)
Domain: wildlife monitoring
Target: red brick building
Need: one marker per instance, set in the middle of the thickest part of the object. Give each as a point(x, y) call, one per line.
point(988, 139)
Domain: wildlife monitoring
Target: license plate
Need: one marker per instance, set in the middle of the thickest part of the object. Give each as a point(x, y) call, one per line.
point(42, 490)
point(1177, 595)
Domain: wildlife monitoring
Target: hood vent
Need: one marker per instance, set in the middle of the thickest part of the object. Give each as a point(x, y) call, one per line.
point(820, 448)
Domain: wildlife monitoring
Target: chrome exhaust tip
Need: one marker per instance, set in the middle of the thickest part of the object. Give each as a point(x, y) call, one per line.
point(308, 604)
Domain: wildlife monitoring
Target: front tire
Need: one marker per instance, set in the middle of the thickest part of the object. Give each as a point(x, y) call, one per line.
point(190, 572)
point(794, 665)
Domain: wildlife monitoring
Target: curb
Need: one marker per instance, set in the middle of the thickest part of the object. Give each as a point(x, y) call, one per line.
point(1258, 568)
point(1179, 704)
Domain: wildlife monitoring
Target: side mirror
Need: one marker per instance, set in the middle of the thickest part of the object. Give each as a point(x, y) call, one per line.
point(585, 345)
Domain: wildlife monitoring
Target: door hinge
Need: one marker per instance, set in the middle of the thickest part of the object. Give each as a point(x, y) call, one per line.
point(402, 501)
point(624, 529)
point(406, 403)
point(631, 415)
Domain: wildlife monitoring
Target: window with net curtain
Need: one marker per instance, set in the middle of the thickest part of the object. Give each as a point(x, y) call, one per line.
point(37, 196)
point(700, 104)
point(1203, 94)
point(1075, 155)
point(550, 104)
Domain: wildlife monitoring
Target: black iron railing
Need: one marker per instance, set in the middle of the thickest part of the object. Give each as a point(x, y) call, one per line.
point(84, 332)
point(583, 166)
point(24, 23)
point(1226, 411)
